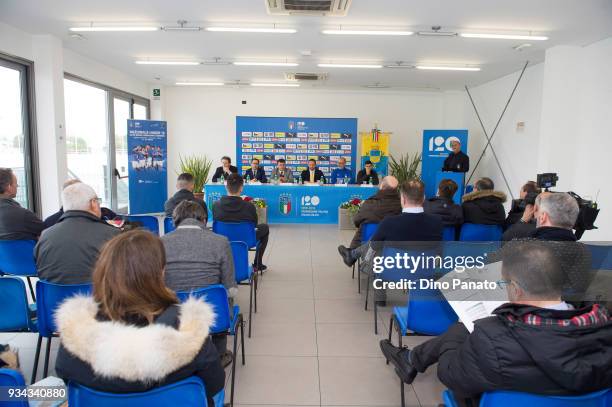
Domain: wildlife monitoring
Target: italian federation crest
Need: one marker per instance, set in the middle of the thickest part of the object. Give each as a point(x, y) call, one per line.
point(284, 204)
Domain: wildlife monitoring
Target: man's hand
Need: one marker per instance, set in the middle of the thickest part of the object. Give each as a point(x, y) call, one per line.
point(528, 214)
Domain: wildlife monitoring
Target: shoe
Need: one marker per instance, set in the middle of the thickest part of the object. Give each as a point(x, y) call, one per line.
point(261, 267)
point(400, 359)
point(227, 358)
point(347, 257)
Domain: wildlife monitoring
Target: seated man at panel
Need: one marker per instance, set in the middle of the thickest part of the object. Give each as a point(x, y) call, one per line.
point(484, 206)
point(367, 175)
point(255, 173)
point(184, 185)
point(224, 170)
point(457, 161)
point(526, 197)
point(386, 202)
point(312, 174)
point(342, 174)
point(281, 172)
point(16, 223)
point(232, 208)
point(535, 343)
point(67, 252)
point(443, 205)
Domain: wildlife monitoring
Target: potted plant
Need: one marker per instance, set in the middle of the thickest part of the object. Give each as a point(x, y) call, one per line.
point(406, 167)
point(199, 167)
point(345, 213)
point(260, 206)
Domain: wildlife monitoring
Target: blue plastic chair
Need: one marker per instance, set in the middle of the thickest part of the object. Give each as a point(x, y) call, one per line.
point(187, 392)
point(601, 256)
point(168, 225)
point(50, 296)
point(448, 233)
point(12, 378)
point(244, 274)
point(16, 314)
point(237, 232)
point(601, 398)
point(227, 320)
point(426, 313)
point(148, 222)
point(17, 259)
point(367, 231)
point(473, 232)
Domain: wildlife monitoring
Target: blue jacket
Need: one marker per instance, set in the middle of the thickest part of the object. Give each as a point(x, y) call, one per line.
point(340, 174)
point(260, 176)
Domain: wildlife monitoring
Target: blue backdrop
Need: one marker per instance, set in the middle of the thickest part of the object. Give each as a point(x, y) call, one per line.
point(436, 147)
point(148, 175)
point(296, 139)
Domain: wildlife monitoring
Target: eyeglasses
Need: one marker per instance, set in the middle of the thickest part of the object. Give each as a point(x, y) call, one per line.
point(98, 200)
point(503, 283)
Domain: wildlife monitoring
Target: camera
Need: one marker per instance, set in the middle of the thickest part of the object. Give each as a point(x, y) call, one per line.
point(547, 180)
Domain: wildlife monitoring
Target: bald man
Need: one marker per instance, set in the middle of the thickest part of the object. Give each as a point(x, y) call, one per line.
point(342, 174)
point(457, 161)
point(386, 202)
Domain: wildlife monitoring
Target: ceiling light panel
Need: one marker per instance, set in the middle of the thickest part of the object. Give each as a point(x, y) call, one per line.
point(253, 30)
point(168, 63)
point(113, 28)
point(504, 36)
point(367, 32)
point(364, 66)
point(200, 83)
point(448, 68)
point(254, 63)
point(277, 85)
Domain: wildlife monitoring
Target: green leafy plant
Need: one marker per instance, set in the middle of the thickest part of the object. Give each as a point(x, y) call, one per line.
point(258, 202)
point(406, 167)
point(197, 166)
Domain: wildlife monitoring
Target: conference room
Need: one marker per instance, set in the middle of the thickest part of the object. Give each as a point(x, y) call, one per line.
point(305, 203)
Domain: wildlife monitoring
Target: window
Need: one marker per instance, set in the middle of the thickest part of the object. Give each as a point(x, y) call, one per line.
point(16, 133)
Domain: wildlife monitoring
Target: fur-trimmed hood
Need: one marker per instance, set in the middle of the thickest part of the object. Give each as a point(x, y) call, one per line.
point(132, 353)
point(484, 194)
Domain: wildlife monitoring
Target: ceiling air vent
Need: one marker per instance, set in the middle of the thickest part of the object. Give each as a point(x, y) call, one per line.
point(302, 76)
point(335, 8)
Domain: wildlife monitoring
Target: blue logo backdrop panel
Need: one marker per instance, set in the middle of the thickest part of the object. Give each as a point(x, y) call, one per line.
point(436, 147)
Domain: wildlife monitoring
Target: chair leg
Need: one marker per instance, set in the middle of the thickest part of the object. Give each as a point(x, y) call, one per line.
point(367, 291)
point(36, 358)
point(390, 330)
point(399, 338)
point(31, 289)
point(234, 368)
point(353, 271)
point(242, 337)
point(47, 354)
point(375, 318)
point(358, 281)
point(251, 306)
point(402, 395)
point(255, 291)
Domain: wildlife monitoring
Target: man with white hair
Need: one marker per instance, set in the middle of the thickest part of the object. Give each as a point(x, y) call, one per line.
point(67, 251)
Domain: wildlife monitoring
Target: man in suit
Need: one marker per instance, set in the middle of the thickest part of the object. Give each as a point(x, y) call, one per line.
point(281, 172)
point(457, 161)
point(484, 206)
point(368, 174)
point(16, 223)
point(312, 174)
point(232, 208)
point(255, 173)
point(184, 185)
point(342, 173)
point(225, 169)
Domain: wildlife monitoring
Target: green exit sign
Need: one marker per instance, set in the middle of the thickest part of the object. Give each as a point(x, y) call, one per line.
point(156, 93)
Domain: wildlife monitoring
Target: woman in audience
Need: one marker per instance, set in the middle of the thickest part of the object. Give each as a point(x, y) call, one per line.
point(443, 205)
point(132, 335)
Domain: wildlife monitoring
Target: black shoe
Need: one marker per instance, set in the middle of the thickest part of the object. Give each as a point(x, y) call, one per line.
point(399, 358)
point(347, 257)
point(261, 267)
point(227, 358)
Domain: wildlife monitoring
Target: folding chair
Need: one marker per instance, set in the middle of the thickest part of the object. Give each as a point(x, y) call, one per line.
point(148, 222)
point(17, 259)
point(600, 398)
point(244, 275)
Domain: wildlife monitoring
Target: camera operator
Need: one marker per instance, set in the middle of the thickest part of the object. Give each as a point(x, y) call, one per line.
point(527, 196)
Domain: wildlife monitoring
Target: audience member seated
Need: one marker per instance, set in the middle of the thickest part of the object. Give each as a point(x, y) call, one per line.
point(185, 186)
point(484, 206)
point(232, 208)
point(132, 335)
point(255, 173)
point(386, 202)
point(443, 205)
point(51, 220)
point(342, 174)
point(535, 343)
point(526, 196)
point(368, 174)
point(66, 252)
point(225, 169)
point(16, 223)
point(312, 174)
point(281, 172)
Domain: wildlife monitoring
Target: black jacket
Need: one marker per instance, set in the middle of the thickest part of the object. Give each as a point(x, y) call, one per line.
point(234, 209)
point(51, 220)
point(104, 357)
point(450, 213)
point(259, 176)
point(67, 252)
point(484, 207)
point(318, 174)
point(514, 215)
point(414, 227)
point(17, 223)
point(386, 202)
point(219, 171)
point(459, 162)
point(505, 353)
point(363, 177)
point(180, 196)
point(519, 230)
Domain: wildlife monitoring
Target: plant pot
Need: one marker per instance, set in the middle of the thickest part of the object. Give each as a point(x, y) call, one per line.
point(345, 220)
point(199, 195)
point(262, 214)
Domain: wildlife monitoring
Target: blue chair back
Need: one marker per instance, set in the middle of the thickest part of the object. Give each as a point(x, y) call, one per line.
point(601, 256)
point(242, 268)
point(473, 232)
point(367, 231)
point(511, 399)
point(429, 313)
point(168, 225)
point(215, 295)
point(12, 378)
point(448, 233)
point(14, 310)
point(148, 222)
point(237, 231)
point(49, 297)
point(17, 257)
point(187, 392)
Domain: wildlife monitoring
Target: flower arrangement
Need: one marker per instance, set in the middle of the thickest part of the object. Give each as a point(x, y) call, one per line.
point(258, 202)
point(352, 205)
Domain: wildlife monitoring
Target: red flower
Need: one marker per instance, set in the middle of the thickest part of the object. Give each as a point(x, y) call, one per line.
point(355, 201)
point(248, 199)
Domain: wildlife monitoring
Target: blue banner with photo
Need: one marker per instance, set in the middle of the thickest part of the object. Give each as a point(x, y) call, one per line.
point(436, 147)
point(148, 175)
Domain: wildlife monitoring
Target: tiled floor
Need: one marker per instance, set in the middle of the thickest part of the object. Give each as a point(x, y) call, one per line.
point(313, 343)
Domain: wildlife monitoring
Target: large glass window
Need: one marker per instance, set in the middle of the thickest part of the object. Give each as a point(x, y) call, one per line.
point(122, 114)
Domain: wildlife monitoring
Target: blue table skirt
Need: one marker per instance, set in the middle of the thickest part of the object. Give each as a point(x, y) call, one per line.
point(296, 203)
